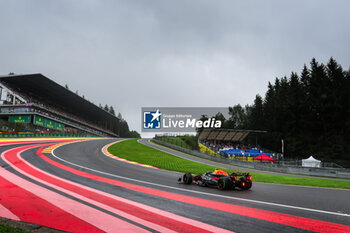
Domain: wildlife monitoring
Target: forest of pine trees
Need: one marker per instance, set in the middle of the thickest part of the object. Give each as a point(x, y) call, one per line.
point(120, 126)
point(310, 111)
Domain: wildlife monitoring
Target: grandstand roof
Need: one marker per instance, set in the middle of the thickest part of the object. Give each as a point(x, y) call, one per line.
point(233, 135)
point(43, 88)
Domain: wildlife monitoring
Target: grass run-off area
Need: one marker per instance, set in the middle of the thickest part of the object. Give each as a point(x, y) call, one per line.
point(10, 229)
point(137, 152)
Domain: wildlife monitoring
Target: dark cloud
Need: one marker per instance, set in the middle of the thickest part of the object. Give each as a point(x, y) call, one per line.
point(169, 53)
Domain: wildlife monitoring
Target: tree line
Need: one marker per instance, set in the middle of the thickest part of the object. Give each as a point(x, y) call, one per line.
point(120, 126)
point(309, 111)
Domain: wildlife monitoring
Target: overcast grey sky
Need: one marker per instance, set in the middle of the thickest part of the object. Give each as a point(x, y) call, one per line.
point(130, 53)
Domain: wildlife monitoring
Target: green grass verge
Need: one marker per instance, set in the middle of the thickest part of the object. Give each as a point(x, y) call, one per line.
point(10, 229)
point(134, 151)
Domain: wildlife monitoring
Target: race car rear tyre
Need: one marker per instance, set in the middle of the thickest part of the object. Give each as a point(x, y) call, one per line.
point(225, 183)
point(245, 184)
point(187, 178)
point(248, 184)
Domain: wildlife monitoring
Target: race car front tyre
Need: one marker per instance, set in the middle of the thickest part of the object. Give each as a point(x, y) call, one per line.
point(187, 178)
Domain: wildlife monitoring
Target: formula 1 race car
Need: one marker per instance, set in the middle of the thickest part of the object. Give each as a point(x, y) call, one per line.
point(220, 179)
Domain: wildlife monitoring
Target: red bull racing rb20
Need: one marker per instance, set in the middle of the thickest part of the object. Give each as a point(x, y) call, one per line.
point(219, 179)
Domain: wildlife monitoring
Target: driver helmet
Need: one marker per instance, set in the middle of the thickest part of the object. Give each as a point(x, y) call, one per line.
point(220, 172)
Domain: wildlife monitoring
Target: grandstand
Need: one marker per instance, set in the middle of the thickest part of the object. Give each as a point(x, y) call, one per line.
point(44, 106)
point(230, 143)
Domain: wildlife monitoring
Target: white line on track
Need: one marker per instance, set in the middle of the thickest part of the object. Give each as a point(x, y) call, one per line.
point(152, 225)
point(202, 193)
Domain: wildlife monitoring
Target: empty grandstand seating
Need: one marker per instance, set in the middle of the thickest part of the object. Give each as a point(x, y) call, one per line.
point(36, 95)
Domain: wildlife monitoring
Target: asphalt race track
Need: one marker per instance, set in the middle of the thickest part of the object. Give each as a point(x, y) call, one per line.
point(75, 187)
